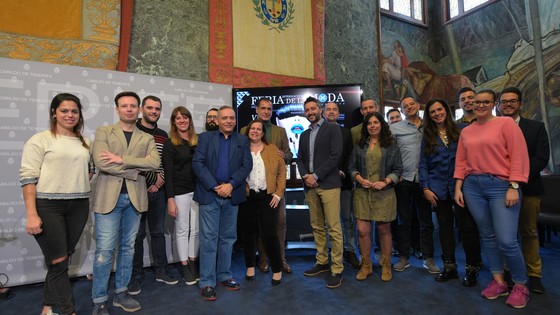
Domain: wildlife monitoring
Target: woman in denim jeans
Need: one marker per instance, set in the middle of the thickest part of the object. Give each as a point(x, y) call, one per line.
point(491, 162)
point(55, 173)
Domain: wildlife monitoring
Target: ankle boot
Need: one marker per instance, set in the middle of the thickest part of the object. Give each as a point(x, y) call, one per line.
point(386, 274)
point(471, 273)
point(449, 272)
point(365, 270)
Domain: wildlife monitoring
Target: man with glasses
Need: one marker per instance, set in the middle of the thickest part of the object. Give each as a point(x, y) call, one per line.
point(536, 138)
point(211, 120)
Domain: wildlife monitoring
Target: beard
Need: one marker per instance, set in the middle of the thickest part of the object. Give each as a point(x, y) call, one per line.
point(211, 126)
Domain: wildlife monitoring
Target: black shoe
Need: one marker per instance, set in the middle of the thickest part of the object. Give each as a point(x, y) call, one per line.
point(250, 278)
point(275, 282)
point(208, 293)
point(352, 259)
point(317, 269)
point(471, 273)
point(134, 287)
point(449, 272)
point(418, 255)
point(535, 285)
point(334, 280)
point(230, 284)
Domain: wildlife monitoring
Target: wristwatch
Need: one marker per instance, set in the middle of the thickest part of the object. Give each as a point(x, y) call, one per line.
point(514, 185)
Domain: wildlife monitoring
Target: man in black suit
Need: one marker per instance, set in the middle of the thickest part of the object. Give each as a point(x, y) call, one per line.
point(331, 113)
point(539, 152)
point(318, 156)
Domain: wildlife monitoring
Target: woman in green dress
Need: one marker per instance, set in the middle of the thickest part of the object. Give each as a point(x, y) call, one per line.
point(376, 166)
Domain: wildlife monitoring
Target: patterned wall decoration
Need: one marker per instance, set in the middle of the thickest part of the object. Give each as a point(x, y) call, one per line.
point(280, 22)
point(97, 43)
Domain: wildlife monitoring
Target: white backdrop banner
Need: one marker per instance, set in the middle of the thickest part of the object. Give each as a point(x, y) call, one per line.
point(26, 90)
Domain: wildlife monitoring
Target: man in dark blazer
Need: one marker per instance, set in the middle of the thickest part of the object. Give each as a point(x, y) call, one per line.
point(318, 156)
point(539, 152)
point(331, 113)
point(222, 161)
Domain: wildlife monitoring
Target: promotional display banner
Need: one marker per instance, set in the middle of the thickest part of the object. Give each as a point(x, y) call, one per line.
point(26, 91)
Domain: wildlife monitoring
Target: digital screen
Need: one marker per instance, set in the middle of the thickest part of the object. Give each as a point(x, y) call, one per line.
point(287, 106)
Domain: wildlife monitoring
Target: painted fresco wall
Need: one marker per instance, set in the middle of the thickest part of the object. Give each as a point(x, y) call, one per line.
point(495, 48)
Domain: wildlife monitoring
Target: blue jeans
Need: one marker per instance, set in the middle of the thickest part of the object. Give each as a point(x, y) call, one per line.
point(118, 226)
point(155, 217)
point(497, 224)
point(218, 232)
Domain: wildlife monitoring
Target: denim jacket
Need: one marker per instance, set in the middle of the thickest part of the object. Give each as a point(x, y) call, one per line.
point(436, 169)
point(391, 163)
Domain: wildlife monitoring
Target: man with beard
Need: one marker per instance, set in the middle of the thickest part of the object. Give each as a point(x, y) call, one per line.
point(536, 138)
point(157, 205)
point(466, 101)
point(211, 120)
point(318, 157)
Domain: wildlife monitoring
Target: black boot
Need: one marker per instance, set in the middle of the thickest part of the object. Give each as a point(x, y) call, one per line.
point(471, 273)
point(449, 272)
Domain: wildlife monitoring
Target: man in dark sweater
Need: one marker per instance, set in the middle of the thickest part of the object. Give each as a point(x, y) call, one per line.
point(155, 216)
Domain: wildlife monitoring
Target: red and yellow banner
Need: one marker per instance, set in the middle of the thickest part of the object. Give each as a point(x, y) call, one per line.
point(266, 42)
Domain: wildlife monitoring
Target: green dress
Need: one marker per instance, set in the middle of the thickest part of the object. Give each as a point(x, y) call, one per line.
point(372, 204)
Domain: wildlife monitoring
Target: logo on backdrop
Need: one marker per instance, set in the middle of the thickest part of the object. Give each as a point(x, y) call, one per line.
point(276, 14)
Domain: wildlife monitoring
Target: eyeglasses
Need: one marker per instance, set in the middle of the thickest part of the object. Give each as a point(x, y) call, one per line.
point(512, 102)
point(484, 103)
point(210, 117)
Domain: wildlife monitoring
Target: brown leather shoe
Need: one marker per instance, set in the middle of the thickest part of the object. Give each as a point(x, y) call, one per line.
point(286, 268)
point(263, 266)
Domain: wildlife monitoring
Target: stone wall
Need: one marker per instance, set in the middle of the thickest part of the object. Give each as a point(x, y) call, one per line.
point(170, 39)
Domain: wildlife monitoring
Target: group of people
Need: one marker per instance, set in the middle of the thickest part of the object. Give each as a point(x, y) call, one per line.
point(221, 185)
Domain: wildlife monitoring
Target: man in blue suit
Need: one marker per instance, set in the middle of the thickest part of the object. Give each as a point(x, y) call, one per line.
point(536, 139)
point(222, 161)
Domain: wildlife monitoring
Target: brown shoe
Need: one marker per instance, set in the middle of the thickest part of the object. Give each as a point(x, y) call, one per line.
point(386, 274)
point(366, 269)
point(286, 268)
point(263, 266)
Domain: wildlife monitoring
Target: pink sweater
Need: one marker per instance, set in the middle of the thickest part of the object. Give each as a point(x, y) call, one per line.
point(496, 147)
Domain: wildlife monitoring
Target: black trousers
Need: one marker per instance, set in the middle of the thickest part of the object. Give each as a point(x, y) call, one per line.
point(410, 201)
point(63, 224)
point(257, 218)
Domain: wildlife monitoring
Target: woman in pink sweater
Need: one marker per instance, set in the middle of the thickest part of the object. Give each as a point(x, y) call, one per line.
point(492, 161)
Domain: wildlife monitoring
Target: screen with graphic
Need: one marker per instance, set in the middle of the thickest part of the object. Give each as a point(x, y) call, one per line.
point(287, 103)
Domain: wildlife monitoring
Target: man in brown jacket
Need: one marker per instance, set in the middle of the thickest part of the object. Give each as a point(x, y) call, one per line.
point(121, 153)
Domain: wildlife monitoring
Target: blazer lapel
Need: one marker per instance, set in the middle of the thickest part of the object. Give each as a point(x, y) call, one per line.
point(320, 134)
point(117, 131)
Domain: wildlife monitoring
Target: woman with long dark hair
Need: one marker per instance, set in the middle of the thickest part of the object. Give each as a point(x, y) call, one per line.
point(437, 164)
point(178, 152)
point(376, 166)
point(55, 173)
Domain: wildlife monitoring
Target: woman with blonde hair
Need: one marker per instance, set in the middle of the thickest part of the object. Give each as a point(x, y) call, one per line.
point(178, 152)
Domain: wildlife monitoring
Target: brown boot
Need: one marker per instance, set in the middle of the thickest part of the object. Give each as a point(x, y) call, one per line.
point(365, 270)
point(385, 263)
